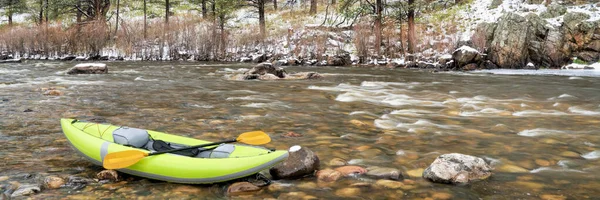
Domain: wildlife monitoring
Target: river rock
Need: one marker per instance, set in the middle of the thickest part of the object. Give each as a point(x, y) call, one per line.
point(267, 68)
point(304, 75)
point(351, 170)
point(26, 190)
point(53, 182)
point(89, 68)
point(328, 175)
point(384, 173)
point(337, 162)
point(110, 174)
point(457, 168)
point(301, 162)
point(53, 92)
point(465, 55)
point(241, 188)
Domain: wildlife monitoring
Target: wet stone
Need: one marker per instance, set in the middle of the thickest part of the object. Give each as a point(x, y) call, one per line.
point(351, 170)
point(337, 162)
point(347, 192)
point(415, 172)
point(441, 195)
point(512, 169)
point(26, 190)
point(389, 184)
point(541, 162)
point(3, 178)
point(241, 188)
point(384, 173)
point(457, 168)
point(328, 175)
point(552, 197)
point(53, 182)
point(110, 175)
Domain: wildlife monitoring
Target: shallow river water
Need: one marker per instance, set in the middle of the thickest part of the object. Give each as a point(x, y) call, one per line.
point(538, 128)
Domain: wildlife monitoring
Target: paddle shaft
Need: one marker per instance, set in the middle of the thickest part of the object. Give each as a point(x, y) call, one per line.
point(192, 147)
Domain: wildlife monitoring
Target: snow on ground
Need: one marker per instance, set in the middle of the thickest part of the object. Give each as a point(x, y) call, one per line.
point(479, 11)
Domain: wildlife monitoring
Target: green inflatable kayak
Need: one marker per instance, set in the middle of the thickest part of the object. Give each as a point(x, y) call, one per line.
point(225, 162)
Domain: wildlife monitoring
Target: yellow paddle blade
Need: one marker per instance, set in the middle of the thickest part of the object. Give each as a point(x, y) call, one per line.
point(122, 159)
point(254, 138)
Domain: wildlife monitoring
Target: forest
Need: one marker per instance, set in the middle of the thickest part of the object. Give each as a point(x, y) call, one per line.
point(213, 29)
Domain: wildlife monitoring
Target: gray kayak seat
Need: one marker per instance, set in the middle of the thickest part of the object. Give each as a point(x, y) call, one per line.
point(134, 137)
point(222, 151)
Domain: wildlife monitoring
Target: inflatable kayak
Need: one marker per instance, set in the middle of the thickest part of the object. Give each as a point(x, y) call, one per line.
point(215, 164)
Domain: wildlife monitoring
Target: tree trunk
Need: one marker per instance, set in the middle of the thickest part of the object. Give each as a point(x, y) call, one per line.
point(313, 7)
point(222, 28)
point(261, 19)
point(203, 8)
point(78, 15)
point(411, 27)
point(46, 8)
point(145, 22)
point(117, 23)
point(275, 4)
point(42, 11)
point(378, 8)
point(167, 12)
point(9, 13)
point(333, 2)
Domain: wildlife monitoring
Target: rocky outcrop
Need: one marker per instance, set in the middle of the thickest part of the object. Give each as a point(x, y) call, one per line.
point(514, 41)
point(457, 168)
point(301, 162)
point(89, 68)
point(508, 48)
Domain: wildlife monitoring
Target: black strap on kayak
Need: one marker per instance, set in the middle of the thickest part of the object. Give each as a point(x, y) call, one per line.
point(160, 145)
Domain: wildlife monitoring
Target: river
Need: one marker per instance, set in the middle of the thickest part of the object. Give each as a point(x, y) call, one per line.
point(538, 128)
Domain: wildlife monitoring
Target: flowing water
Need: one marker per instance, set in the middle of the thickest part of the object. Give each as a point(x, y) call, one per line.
point(538, 128)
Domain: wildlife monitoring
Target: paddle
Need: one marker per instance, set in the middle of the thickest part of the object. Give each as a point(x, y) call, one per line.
point(122, 159)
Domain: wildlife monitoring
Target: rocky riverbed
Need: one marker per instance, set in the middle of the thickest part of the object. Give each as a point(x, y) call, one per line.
point(375, 131)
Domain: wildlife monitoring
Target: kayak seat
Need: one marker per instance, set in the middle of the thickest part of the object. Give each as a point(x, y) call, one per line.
point(133, 137)
point(139, 138)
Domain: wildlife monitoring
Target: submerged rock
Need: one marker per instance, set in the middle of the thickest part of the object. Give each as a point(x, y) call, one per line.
point(351, 170)
point(26, 190)
point(89, 68)
point(110, 174)
point(241, 188)
point(384, 173)
point(328, 175)
point(301, 162)
point(53, 182)
point(457, 168)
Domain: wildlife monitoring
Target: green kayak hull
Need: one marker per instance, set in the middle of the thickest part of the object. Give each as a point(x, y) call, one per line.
point(94, 141)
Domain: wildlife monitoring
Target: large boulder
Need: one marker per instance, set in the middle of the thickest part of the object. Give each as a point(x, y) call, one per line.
point(89, 68)
point(508, 49)
point(301, 162)
point(339, 60)
point(465, 55)
point(457, 168)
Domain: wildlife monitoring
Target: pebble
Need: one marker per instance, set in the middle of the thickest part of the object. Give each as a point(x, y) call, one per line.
point(241, 188)
point(384, 173)
point(543, 163)
point(53, 182)
point(187, 189)
point(337, 162)
point(328, 175)
point(351, 170)
point(109, 174)
point(53, 93)
point(3, 178)
point(512, 169)
point(307, 185)
point(570, 154)
point(359, 123)
point(552, 197)
point(25, 190)
point(415, 172)
point(389, 184)
point(363, 148)
point(441, 195)
point(347, 192)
